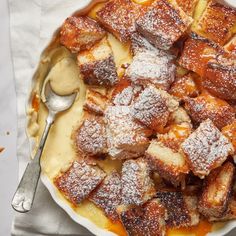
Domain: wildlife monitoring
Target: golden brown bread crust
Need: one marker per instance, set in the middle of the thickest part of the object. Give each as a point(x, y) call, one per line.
point(137, 186)
point(80, 33)
point(184, 86)
point(90, 137)
point(188, 6)
point(231, 46)
point(97, 65)
point(216, 191)
point(197, 52)
point(153, 107)
point(181, 210)
point(216, 22)
point(107, 195)
point(229, 131)
point(169, 164)
point(220, 76)
point(79, 181)
point(118, 17)
point(206, 149)
point(146, 220)
point(206, 106)
point(163, 24)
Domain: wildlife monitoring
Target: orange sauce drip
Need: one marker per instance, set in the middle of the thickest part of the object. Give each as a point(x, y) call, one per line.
point(201, 229)
point(117, 228)
point(35, 102)
point(143, 2)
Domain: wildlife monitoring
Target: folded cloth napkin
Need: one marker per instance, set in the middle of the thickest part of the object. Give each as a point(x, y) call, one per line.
point(32, 23)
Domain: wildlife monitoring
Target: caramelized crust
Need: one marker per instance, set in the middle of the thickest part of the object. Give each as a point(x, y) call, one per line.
point(231, 46)
point(152, 67)
point(197, 52)
point(108, 195)
point(126, 138)
point(206, 149)
point(163, 24)
point(95, 102)
point(79, 181)
point(90, 137)
point(229, 131)
point(184, 86)
point(146, 220)
point(97, 65)
point(220, 76)
point(137, 186)
point(181, 210)
point(169, 164)
point(153, 107)
point(216, 22)
point(118, 17)
point(216, 190)
point(80, 33)
point(206, 106)
point(188, 6)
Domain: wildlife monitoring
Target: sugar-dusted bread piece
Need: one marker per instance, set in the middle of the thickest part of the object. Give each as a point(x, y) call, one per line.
point(206, 149)
point(79, 181)
point(188, 6)
point(229, 131)
point(97, 65)
point(169, 164)
point(207, 106)
point(163, 23)
point(90, 137)
point(231, 45)
point(80, 33)
point(152, 67)
point(181, 209)
point(153, 107)
point(184, 86)
point(145, 220)
point(217, 22)
point(197, 52)
point(126, 138)
point(216, 191)
point(107, 195)
point(95, 102)
point(118, 17)
point(137, 186)
point(220, 75)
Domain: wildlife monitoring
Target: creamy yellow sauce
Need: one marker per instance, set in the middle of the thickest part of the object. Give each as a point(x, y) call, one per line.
point(59, 67)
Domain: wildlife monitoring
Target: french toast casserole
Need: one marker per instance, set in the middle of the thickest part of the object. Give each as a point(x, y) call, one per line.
point(166, 118)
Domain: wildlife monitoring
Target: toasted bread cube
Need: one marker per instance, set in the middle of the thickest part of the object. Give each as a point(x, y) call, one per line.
point(126, 138)
point(79, 181)
point(137, 186)
point(169, 164)
point(146, 220)
point(206, 106)
point(118, 17)
point(181, 209)
point(197, 52)
point(80, 33)
point(188, 6)
point(220, 75)
point(179, 117)
point(184, 86)
point(90, 137)
point(97, 65)
point(108, 195)
point(217, 22)
point(95, 102)
point(231, 46)
point(152, 67)
point(216, 191)
point(163, 24)
point(153, 107)
point(229, 131)
point(206, 149)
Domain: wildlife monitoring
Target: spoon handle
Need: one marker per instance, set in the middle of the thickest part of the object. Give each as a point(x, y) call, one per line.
point(24, 195)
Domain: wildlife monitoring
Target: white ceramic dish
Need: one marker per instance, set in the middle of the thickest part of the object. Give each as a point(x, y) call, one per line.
point(64, 205)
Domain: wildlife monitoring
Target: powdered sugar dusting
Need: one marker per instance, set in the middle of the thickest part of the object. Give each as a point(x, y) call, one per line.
point(206, 148)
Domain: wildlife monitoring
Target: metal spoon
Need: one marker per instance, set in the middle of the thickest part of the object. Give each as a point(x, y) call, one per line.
point(24, 195)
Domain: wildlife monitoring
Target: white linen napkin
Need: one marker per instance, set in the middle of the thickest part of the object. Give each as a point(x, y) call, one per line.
point(32, 23)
